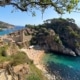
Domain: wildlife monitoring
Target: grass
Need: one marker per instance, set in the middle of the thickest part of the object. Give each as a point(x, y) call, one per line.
point(33, 77)
point(3, 54)
point(3, 50)
point(35, 73)
point(21, 58)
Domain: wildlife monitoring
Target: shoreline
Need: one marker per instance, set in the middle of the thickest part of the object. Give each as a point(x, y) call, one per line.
point(36, 56)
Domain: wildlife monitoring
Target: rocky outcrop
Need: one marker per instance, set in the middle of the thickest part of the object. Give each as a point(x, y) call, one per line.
point(14, 73)
point(68, 51)
point(52, 43)
point(60, 36)
point(12, 49)
point(21, 38)
point(4, 65)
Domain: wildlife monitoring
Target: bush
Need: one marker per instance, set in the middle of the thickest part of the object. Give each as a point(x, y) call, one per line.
point(33, 77)
point(20, 58)
point(35, 73)
point(57, 39)
point(3, 51)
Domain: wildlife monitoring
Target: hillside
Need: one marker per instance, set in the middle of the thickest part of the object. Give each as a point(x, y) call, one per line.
point(15, 65)
point(5, 25)
point(61, 36)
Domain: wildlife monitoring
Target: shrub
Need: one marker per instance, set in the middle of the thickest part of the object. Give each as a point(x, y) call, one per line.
point(57, 39)
point(33, 77)
point(20, 58)
point(3, 51)
point(35, 74)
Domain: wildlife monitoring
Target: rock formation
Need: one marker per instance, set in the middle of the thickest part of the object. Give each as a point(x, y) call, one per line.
point(14, 73)
point(60, 36)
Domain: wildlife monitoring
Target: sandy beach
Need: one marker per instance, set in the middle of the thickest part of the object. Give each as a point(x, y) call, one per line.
point(36, 56)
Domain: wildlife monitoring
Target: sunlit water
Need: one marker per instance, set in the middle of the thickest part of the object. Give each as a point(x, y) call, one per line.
point(65, 66)
point(7, 31)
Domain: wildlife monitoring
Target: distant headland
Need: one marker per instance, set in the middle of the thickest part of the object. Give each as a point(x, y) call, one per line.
point(4, 25)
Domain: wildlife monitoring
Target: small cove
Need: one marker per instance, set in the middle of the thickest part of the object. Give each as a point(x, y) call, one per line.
point(67, 67)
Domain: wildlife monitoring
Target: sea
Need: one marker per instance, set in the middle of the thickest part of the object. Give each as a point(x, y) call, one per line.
point(8, 31)
point(63, 67)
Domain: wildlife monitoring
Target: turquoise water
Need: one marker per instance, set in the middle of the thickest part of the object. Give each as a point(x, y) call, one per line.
point(65, 66)
point(72, 62)
point(7, 31)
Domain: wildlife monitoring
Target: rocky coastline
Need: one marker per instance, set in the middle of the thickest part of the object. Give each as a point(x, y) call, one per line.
point(60, 35)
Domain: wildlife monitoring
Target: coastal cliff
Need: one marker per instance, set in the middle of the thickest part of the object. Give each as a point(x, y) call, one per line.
point(61, 36)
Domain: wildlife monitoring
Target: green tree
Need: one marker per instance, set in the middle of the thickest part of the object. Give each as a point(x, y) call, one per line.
point(60, 6)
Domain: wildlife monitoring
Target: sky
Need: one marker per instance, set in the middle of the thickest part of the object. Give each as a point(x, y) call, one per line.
point(23, 18)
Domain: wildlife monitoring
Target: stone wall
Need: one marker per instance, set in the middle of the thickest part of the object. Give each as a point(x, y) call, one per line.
point(19, 36)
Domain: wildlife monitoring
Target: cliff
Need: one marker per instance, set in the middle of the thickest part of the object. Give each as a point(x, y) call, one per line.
point(61, 36)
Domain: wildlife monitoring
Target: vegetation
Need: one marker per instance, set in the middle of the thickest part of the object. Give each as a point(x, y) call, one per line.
point(3, 50)
point(3, 54)
point(57, 39)
point(60, 6)
point(3, 59)
point(21, 58)
point(35, 74)
point(74, 34)
point(4, 25)
point(77, 44)
point(18, 58)
point(57, 34)
point(33, 77)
